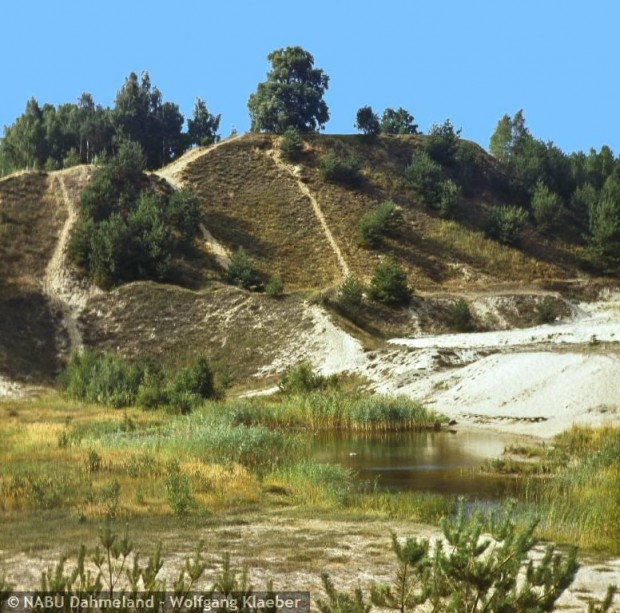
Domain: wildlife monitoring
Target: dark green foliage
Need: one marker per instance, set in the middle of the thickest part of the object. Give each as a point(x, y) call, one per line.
point(459, 316)
point(367, 121)
point(203, 126)
point(336, 170)
point(505, 224)
point(302, 379)
point(389, 284)
point(292, 95)
point(189, 386)
point(546, 312)
point(546, 207)
point(102, 379)
point(139, 114)
point(376, 223)
point(275, 286)
point(112, 381)
point(341, 602)
point(124, 233)
point(449, 196)
point(242, 271)
point(442, 143)
point(291, 144)
point(604, 223)
point(468, 166)
point(425, 176)
point(530, 161)
point(398, 122)
point(350, 296)
point(466, 571)
point(182, 212)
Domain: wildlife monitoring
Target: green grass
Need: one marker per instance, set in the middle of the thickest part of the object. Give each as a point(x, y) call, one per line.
point(335, 410)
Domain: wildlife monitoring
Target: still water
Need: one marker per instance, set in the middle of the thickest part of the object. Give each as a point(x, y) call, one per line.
point(437, 462)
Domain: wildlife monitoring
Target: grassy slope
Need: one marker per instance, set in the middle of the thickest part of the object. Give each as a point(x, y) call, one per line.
point(249, 202)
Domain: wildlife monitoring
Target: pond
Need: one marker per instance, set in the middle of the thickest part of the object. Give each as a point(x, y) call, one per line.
point(435, 462)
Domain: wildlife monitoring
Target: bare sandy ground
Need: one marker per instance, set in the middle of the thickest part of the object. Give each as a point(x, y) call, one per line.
point(294, 552)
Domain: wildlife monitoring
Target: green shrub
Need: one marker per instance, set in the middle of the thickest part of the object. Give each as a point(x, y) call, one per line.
point(302, 379)
point(376, 223)
point(291, 144)
point(335, 170)
point(466, 571)
point(242, 272)
point(389, 284)
point(101, 378)
point(424, 175)
point(546, 311)
point(178, 491)
point(449, 195)
point(459, 316)
point(442, 143)
point(350, 296)
point(190, 386)
point(505, 224)
point(275, 286)
point(546, 206)
point(182, 213)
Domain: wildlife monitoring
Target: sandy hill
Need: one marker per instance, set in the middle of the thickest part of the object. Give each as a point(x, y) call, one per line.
point(293, 223)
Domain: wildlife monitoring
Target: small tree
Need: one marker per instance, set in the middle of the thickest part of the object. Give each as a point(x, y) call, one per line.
point(275, 286)
point(350, 296)
point(242, 272)
point(389, 284)
point(546, 206)
point(336, 170)
point(376, 223)
point(604, 222)
point(367, 121)
point(202, 128)
point(459, 316)
point(425, 176)
point(505, 224)
point(449, 195)
point(442, 142)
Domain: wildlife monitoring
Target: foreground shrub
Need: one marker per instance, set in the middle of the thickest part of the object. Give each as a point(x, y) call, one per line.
point(389, 284)
point(465, 571)
point(336, 170)
point(505, 224)
point(275, 286)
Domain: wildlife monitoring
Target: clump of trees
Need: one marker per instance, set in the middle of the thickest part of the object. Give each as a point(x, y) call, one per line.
point(126, 231)
point(113, 381)
point(49, 137)
point(391, 122)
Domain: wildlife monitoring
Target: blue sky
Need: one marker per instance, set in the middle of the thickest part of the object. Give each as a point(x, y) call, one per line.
point(468, 60)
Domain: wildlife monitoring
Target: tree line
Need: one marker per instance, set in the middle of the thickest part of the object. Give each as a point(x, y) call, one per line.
point(48, 137)
point(579, 192)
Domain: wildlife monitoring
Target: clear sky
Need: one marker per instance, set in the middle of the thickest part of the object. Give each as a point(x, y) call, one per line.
point(468, 60)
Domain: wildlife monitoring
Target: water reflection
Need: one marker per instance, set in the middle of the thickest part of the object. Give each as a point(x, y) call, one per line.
point(438, 462)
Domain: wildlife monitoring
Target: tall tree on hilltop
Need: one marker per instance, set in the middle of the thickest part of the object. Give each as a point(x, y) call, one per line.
point(140, 115)
point(292, 95)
